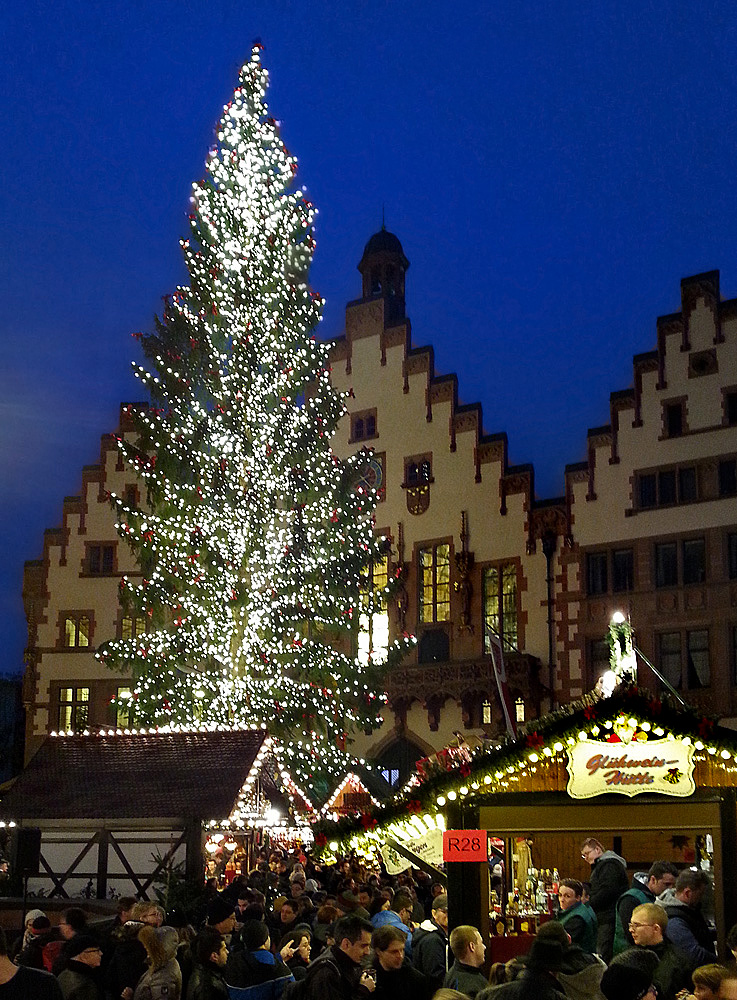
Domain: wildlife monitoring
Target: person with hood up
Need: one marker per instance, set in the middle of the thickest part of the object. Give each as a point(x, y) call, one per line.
point(687, 929)
point(540, 979)
point(163, 980)
point(608, 882)
point(580, 972)
point(430, 943)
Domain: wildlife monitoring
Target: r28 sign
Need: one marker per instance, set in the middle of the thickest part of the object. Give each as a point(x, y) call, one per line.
point(465, 845)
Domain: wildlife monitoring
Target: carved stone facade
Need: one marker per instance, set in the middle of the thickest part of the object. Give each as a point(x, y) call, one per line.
point(646, 525)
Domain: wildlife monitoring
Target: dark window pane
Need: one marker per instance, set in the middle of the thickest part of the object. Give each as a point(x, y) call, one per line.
point(596, 574)
point(370, 426)
point(622, 570)
point(698, 673)
point(728, 478)
point(669, 655)
point(107, 559)
point(94, 559)
point(732, 556)
point(647, 491)
point(730, 405)
point(674, 420)
point(667, 487)
point(666, 565)
point(687, 485)
point(433, 647)
point(694, 561)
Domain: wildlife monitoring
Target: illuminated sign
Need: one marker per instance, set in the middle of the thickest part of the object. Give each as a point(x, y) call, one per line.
point(661, 766)
point(429, 848)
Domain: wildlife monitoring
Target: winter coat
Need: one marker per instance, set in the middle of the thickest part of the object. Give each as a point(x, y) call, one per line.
point(608, 882)
point(334, 976)
point(430, 951)
point(581, 926)
point(688, 930)
point(207, 983)
point(33, 984)
point(406, 982)
point(531, 985)
point(36, 955)
point(128, 961)
point(80, 982)
point(250, 968)
point(580, 975)
point(673, 973)
point(466, 979)
point(164, 983)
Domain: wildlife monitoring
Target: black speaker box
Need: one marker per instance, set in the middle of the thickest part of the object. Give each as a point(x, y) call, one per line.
point(25, 851)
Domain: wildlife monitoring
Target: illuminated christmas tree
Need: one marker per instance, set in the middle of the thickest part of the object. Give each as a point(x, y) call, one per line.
point(254, 538)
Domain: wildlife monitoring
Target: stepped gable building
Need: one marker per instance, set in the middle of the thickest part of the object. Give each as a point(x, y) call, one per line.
point(653, 514)
point(647, 525)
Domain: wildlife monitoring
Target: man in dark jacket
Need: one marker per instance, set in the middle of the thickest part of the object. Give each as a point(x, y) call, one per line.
point(644, 889)
point(81, 979)
point(430, 943)
point(395, 975)
point(687, 929)
point(207, 981)
point(468, 950)
point(337, 974)
point(673, 974)
point(608, 882)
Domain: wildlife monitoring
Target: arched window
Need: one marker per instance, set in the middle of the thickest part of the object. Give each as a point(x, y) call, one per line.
point(397, 763)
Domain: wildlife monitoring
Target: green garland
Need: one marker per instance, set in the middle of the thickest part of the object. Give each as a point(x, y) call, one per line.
point(565, 722)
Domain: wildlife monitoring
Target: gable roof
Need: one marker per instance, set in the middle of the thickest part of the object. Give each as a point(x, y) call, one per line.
point(188, 775)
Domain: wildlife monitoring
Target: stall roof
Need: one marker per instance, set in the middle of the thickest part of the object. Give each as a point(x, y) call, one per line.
point(137, 776)
point(493, 766)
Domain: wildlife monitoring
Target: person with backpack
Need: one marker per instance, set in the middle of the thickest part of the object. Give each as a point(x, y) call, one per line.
point(430, 943)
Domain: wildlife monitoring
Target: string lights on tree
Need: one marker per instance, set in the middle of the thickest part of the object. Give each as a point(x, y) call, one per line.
point(254, 536)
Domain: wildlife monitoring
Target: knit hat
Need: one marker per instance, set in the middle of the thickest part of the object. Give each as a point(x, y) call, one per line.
point(630, 975)
point(254, 934)
point(32, 915)
point(347, 901)
point(80, 943)
point(40, 925)
point(219, 909)
point(545, 955)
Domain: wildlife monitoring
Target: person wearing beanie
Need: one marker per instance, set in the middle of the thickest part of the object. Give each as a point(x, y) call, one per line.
point(24, 939)
point(539, 979)
point(33, 954)
point(80, 980)
point(254, 963)
point(164, 977)
point(430, 943)
point(221, 915)
point(630, 976)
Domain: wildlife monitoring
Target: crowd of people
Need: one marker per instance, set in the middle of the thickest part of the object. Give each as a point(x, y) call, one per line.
point(295, 930)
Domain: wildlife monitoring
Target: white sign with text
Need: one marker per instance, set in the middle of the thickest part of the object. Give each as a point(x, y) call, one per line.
point(662, 766)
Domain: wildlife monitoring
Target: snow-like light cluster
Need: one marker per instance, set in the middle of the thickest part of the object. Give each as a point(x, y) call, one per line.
point(254, 535)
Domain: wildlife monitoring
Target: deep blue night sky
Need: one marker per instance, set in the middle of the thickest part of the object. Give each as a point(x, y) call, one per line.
point(552, 169)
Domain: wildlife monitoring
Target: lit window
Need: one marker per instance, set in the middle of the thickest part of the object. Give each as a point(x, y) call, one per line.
point(76, 631)
point(435, 583)
point(519, 710)
point(74, 704)
point(130, 627)
point(391, 775)
point(486, 713)
point(500, 606)
point(123, 698)
point(373, 618)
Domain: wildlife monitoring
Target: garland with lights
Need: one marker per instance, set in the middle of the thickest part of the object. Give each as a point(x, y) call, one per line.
point(494, 768)
point(254, 537)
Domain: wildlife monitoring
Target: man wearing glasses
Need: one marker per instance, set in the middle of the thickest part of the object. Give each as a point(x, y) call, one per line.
point(608, 882)
point(673, 973)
